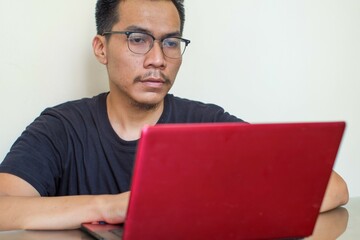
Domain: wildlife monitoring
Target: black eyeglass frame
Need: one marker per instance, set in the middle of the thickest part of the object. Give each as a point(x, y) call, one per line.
point(128, 33)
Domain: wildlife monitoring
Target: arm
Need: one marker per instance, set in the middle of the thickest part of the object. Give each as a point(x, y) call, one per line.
point(22, 207)
point(331, 224)
point(336, 193)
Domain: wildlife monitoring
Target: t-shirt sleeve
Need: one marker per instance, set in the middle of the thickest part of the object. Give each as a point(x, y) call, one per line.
point(36, 154)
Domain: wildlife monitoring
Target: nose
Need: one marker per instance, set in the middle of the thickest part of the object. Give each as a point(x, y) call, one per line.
point(155, 57)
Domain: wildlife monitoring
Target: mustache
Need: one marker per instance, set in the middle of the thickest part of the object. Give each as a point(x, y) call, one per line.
point(153, 74)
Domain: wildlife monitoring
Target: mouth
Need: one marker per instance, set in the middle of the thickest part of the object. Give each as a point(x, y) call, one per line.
point(153, 82)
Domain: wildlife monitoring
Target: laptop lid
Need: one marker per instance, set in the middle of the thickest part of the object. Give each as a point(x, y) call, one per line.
point(230, 180)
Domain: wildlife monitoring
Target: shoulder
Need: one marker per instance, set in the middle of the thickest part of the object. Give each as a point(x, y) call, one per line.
point(75, 107)
point(190, 104)
point(180, 110)
point(70, 117)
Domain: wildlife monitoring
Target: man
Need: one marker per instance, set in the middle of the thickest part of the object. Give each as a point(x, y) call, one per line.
point(73, 164)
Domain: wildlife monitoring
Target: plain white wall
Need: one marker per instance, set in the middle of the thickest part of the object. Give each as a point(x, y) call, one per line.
point(264, 61)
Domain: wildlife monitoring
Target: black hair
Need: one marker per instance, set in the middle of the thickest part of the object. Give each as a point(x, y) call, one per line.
point(106, 14)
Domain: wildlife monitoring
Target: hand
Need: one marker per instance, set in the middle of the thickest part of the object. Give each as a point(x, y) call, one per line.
point(336, 193)
point(113, 208)
point(331, 224)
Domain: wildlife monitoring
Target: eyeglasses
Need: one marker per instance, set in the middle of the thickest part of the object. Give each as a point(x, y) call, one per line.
point(142, 43)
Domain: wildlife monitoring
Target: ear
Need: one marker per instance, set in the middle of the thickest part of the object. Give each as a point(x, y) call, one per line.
point(99, 48)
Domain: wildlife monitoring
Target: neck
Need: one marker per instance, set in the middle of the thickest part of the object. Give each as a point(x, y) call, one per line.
point(128, 118)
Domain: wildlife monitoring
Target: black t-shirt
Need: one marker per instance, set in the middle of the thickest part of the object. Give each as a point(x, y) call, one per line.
point(71, 149)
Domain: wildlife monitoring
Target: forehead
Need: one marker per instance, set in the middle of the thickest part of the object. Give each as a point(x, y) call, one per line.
point(157, 16)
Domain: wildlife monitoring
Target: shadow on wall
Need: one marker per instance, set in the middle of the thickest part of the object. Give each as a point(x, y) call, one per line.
point(96, 77)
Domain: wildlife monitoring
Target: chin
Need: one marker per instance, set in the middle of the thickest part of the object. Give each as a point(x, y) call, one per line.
point(148, 103)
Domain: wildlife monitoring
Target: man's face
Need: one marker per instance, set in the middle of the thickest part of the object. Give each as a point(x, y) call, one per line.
point(142, 79)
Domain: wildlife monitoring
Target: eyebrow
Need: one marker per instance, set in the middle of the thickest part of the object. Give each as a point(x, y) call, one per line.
point(143, 30)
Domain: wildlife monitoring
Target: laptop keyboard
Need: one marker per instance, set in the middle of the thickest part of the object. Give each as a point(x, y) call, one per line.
point(117, 232)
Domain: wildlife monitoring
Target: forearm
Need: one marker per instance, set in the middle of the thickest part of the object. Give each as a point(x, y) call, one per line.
point(336, 193)
point(331, 224)
point(60, 212)
point(46, 212)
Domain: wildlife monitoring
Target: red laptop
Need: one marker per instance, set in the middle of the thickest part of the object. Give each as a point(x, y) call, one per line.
point(228, 181)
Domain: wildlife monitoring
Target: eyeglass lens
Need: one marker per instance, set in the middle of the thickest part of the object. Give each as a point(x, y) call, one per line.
point(141, 43)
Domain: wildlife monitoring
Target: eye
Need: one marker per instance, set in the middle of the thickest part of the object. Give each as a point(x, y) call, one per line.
point(171, 42)
point(139, 38)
